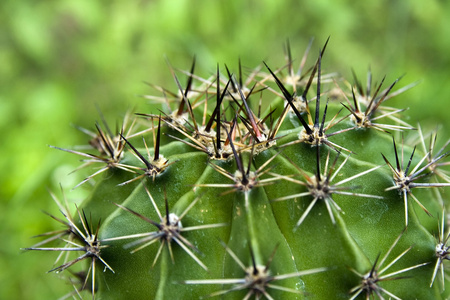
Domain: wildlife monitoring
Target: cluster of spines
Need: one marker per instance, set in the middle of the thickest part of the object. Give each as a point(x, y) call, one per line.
point(230, 130)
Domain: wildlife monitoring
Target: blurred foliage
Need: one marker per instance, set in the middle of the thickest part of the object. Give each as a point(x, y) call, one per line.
point(59, 59)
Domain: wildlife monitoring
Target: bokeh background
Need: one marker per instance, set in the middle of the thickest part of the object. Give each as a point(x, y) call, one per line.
point(61, 59)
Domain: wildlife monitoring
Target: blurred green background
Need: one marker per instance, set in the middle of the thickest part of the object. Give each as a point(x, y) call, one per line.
point(61, 58)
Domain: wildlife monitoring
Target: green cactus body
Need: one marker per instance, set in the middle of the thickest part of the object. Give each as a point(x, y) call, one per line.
point(264, 215)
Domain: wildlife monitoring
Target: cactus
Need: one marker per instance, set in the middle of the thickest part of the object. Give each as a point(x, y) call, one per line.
point(286, 184)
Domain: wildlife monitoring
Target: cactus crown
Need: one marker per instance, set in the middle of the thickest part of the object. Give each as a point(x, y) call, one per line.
point(285, 184)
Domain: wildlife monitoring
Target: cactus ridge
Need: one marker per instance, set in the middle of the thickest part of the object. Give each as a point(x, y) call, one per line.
point(251, 191)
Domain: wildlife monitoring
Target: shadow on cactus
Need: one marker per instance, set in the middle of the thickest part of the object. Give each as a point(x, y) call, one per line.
point(226, 152)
